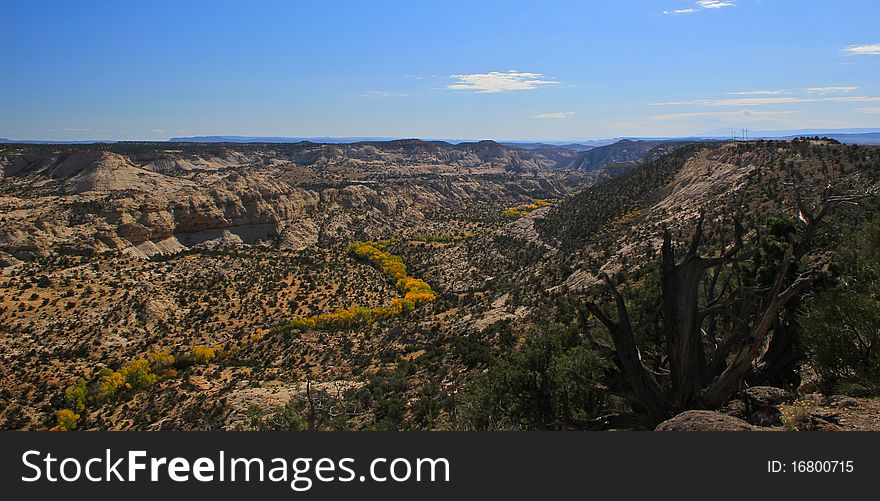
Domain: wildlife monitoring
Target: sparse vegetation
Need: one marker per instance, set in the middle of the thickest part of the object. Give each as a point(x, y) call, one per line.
point(416, 292)
point(300, 330)
point(841, 325)
point(522, 210)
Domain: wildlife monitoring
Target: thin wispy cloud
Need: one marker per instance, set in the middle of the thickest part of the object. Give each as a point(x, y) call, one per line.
point(714, 4)
point(744, 115)
point(756, 93)
point(831, 90)
point(76, 129)
point(702, 5)
point(850, 99)
point(383, 93)
point(871, 49)
point(551, 116)
point(764, 101)
point(868, 110)
point(676, 103)
point(497, 81)
point(754, 101)
point(741, 101)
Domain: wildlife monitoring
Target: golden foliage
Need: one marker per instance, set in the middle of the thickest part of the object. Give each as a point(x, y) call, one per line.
point(626, 218)
point(415, 291)
point(66, 420)
point(258, 335)
point(161, 362)
point(390, 265)
point(203, 355)
point(522, 210)
point(110, 382)
point(138, 374)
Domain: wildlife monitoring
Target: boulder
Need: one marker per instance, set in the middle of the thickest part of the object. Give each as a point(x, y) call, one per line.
point(736, 408)
point(766, 396)
point(704, 421)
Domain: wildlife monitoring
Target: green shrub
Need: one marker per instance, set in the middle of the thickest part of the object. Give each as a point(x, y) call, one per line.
point(841, 328)
point(842, 334)
point(75, 395)
point(548, 383)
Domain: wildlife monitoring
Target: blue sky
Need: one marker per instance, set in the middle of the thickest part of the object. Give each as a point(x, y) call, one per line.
point(468, 70)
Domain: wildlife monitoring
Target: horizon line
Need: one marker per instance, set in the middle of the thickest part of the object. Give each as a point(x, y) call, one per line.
point(236, 138)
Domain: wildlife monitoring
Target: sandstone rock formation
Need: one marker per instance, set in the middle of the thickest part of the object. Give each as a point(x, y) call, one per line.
point(704, 421)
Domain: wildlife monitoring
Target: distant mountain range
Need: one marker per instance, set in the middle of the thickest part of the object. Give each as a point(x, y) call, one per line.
point(4, 140)
point(866, 138)
point(276, 139)
point(572, 145)
point(793, 132)
point(851, 136)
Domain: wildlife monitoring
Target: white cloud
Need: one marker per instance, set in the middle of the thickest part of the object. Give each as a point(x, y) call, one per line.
point(740, 101)
point(851, 99)
point(871, 49)
point(558, 115)
point(729, 116)
point(383, 93)
point(830, 90)
point(762, 101)
point(868, 110)
point(701, 5)
point(753, 101)
point(676, 103)
point(496, 81)
point(756, 93)
point(714, 4)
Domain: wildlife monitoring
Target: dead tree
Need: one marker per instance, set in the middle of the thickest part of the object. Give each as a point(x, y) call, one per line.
point(646, 391)
point(680, 283)
point(701, 378)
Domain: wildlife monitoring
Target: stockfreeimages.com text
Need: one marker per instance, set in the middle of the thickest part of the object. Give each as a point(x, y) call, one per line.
point(301, 473)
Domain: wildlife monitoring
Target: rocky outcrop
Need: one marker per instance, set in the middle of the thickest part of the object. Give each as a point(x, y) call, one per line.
point(622, 153)
point(147, 199)
point(704, 421)
point(763, 402)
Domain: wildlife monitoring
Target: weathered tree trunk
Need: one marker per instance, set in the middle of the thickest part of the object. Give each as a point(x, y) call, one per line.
point(680, 285)
point(697, 382)
point(682, 316)
point(778, 366)
point(647, 391)
point(729, 381)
